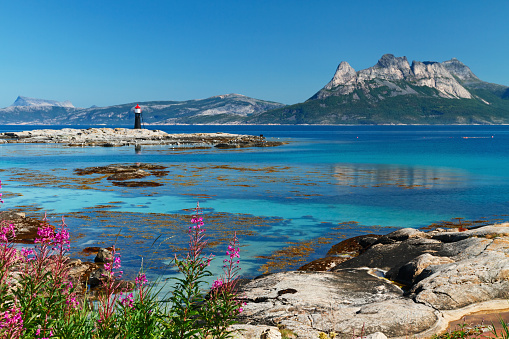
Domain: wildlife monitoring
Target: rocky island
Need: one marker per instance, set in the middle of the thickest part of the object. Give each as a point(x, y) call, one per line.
point(115, 137)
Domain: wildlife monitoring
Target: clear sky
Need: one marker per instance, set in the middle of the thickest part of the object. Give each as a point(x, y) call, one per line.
point(111, 52)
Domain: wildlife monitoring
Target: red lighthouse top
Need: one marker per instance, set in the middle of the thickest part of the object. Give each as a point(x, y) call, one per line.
point(137, 106)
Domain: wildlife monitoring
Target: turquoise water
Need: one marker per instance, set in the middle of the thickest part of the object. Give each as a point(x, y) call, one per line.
point(382, 177)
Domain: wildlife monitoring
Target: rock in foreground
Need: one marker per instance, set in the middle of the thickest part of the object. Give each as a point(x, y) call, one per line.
point(445, 274)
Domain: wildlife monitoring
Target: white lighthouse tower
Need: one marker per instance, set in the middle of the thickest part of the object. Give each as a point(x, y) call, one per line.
point(137, 117)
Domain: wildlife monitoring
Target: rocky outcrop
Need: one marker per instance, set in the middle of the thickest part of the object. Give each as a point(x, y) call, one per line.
point(114, 137)
point(443, 274)
point(344, 301)
point(25, 228)
point(398, 77)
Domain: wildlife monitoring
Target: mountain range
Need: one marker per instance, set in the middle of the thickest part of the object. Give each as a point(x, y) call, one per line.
point(393, 91)
point(221, 109)
point(396, 92)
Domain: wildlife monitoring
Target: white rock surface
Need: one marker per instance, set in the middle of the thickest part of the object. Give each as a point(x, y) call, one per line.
point(391, 70)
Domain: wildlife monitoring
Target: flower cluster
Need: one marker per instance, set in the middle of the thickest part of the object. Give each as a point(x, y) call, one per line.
point(6, 232)
point(217, 283)
point(128, 300)
point(11, 321)
point(115, 265)
point(231, 265)
point(38, 332)
point(140, 280)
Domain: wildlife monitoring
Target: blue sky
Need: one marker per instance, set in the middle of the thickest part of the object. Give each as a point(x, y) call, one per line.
point(111, 52)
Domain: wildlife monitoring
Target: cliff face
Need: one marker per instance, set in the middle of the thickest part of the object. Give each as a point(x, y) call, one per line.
point(399, 76)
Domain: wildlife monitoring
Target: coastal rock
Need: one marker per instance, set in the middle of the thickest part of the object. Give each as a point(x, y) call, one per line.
point(244, 331)
point(407, 273)
point(342, 301)
point(136, 183)
point(135, 174)
point(341, 252)
point(104, 256)
point(455, 285)
point(25, 227)
point(376, 335)
point(443, 271)
point(97, 277)
point(392, 256)
point(115, 137)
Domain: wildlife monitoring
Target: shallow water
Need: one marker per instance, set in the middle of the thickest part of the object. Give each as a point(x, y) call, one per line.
point(289, 204)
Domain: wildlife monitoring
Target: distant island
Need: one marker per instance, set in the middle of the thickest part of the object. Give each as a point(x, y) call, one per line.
point(391, 92)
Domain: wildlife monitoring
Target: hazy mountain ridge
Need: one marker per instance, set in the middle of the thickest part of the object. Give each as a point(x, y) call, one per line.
point(32, 102)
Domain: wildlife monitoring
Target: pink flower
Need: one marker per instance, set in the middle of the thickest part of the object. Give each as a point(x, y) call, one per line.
point(218, 283)
point(6, 232)
point(11, 318)
point(140, 280)
point(128, 300)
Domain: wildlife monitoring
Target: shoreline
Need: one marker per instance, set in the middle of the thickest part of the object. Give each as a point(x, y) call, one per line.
point(116, 137)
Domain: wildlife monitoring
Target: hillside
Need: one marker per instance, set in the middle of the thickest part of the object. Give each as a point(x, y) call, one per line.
point(222, 109)
point(395, 92)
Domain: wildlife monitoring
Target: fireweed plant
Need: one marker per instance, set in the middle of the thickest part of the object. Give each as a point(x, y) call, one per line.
point(39, 298)
point(193, 313)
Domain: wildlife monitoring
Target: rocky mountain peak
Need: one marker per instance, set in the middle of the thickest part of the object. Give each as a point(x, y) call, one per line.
point(389, 60)
point(33, 102)
point(397, 77)
point(460, 70)
point(344, 74)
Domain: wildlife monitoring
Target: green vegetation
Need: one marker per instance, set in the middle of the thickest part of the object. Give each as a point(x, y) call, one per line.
point(40, 299)
point(379, 107)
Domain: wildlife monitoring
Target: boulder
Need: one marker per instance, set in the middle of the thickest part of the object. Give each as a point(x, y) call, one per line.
point(390, 254)
point(455, 285)
point(103, 256)
point(407, 273)
point(244, 331)
point(445, 273)
point(343, 301)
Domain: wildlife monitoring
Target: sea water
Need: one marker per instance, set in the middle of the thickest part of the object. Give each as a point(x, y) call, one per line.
point(325, 184)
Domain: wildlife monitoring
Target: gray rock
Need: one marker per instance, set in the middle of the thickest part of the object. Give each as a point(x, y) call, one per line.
point(245, 331)
point(392, 255)
point(376, 335)
point(103, 256)
point(408, 272)
point(473, 280)
point(342, 301)
point(270, 333)
point(446, 271)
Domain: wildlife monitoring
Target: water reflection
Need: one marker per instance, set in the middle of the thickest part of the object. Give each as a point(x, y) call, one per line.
point(367, 175)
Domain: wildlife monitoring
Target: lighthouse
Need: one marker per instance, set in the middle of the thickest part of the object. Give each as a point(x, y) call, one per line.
point(137, 117)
